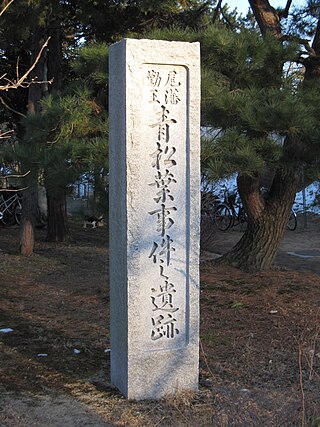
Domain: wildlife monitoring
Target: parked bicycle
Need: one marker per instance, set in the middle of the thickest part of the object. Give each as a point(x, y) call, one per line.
point(11, 199)
point(10, 206)
point(231, 213)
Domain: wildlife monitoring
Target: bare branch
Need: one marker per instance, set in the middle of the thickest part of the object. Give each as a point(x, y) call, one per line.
point(6, 7)
point(10, 108)
point(17, 69)
point(2, 190)
point(5, 177)
point(15, 175)
point(6, 134)
point(22, 81)
point(285, 12)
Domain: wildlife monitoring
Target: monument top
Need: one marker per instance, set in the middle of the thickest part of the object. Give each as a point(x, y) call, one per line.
point(173, 51)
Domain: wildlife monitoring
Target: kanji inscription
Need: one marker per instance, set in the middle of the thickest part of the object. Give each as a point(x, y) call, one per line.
point(165, 93)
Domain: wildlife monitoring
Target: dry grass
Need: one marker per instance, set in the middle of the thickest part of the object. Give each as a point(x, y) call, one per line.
point(259, 355)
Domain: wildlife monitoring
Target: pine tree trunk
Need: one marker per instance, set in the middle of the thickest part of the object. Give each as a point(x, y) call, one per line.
point(57, 230)
point(30, 200)
point(29, 204)
point(267, 219)
point(56, 199)
point(259, 244)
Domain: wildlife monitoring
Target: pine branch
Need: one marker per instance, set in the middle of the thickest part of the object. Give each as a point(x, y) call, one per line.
point(304, 42)
point(224, 16)
point(216, 11)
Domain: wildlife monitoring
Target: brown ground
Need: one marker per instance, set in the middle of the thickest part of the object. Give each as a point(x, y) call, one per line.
point(260, 339)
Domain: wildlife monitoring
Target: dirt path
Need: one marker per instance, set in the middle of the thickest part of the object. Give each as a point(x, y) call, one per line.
point(299, 250)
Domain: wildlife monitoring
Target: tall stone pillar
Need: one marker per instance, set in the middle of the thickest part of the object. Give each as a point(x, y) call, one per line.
point(154, 216)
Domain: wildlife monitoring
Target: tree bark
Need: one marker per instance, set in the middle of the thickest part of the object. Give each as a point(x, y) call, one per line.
point(55, 57)
point(57, 230)
point(266, 17)
point(312, 63)
point(28, 221)
point(57, 217)
point(37, 91)
point(267, 221)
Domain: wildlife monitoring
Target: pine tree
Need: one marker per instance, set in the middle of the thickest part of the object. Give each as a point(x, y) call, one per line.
point(300, 150)
point(68, 136)
point(268, 119)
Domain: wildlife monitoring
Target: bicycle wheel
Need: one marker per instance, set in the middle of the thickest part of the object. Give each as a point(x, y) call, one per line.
point(1, 217)
point(8, 217)
point(292, 223)
point(223, 218)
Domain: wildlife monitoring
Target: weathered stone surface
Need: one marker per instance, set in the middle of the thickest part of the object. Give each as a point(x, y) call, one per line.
point(154, 216)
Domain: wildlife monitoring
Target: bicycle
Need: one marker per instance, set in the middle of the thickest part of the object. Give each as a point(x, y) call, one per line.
point(293, 222)
point(230, 213)
point(10, 207)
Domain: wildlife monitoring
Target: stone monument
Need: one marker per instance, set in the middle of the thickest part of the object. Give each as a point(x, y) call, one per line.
point(154, 216)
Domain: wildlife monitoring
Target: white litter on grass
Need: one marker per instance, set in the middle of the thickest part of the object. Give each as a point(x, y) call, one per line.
point(76, 351)
point(6, 330)
point(107, 350)
point(273, 311)
point(300, 255)
point(42, 355)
